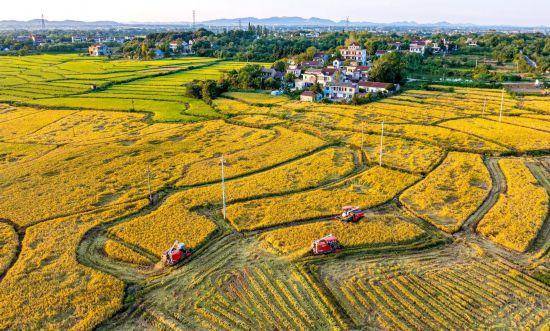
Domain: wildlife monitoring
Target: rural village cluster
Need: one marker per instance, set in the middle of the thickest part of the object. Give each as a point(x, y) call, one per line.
point(341, 79)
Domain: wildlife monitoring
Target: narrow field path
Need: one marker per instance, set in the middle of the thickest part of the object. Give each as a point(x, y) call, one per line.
point(498, 187)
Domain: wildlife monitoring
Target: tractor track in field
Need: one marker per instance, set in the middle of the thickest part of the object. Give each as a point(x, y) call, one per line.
point(20, 231)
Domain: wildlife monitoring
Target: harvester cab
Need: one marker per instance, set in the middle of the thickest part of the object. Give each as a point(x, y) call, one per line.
point(326, 245)
point(175, 254)
point(350, 214)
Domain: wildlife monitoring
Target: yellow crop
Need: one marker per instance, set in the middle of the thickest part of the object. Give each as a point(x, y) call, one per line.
point(519, 213)
point(539, 104)
point(256, 98)
point(533, 121)
point(309, 172)
point(87, 127)
point(286, 145)
point(450, 193)
point(48, 289)
point(19, 153)
point(400, 153)
point(436, 291)
point(116, 171)
point(120, 252)
point(156, 232)
point(256, 120)
point(516, 137)
point(296, 240)
point(446, 138)
point(372, 187)
point(8, 246)
point(23, 125)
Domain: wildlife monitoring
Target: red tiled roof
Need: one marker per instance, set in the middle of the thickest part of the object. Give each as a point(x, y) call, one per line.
point(376, 84)
point(328, 71)
point(308, 94)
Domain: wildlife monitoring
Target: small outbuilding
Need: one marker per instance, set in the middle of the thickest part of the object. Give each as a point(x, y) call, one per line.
point(309, 96)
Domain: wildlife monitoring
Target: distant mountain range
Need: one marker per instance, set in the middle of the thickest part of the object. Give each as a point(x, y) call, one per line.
point(243, 21)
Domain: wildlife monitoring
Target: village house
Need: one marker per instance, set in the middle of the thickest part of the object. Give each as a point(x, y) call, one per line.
point(363, 72)
point(321, 57)
point(78, 39)
point(396, 45)
point(376, 87)
point(38, 40)
point(309, 77)
point(337, 64)
point(471, 42)
point(381, 52)
point(419, 46)
point(22, 39)
point(294, 69)
point(326, 76)
point(340, 91)
point(174, 47)
point(99, 50)
point(309, 96)
point(159, 54)
point(354, 52)
point(311, 64)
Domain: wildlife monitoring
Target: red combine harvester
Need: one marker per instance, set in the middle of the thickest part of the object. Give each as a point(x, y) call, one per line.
point(326, 245)
point(175, 254)
point(350, 214)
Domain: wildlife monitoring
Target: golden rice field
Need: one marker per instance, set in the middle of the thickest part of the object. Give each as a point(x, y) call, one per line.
point(95, 184)
point(520, 212)
point(451, 193)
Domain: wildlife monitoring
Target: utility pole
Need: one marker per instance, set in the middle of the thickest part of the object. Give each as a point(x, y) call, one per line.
point(381, 143)
point(43, 23)
point(501, 106)
point(194, 19)
point(223, 188)
point(149, 183)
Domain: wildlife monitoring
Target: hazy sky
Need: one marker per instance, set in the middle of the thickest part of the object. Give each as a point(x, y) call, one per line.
point(523, 12)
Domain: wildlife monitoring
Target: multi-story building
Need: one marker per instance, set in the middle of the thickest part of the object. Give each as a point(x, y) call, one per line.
point(419, 46)
point(340, 91)
point(99, 50)
point(354, 52)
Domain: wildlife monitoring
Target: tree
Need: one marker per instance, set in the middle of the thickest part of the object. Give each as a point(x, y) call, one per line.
point(290, 77)
point(389, 68)
point(316, 88)
point(280, 66)
point(481, 72)
point(310, 52)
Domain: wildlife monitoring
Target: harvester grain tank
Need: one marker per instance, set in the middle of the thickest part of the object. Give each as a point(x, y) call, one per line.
point(175, 254)
point(350, 214)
